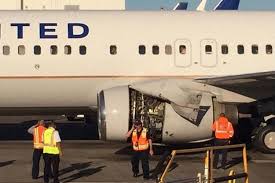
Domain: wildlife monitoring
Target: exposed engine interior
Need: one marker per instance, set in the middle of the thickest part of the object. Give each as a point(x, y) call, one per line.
point(150, 110)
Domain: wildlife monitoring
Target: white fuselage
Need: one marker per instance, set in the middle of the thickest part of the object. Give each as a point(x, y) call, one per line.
point(74, 80)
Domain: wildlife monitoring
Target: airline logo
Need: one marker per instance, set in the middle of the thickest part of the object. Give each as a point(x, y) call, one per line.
point(48, 30)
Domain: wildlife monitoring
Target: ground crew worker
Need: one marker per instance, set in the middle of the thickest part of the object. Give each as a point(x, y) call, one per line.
point(37, 132)
point(142, 146)
point(51, 152)
point(223, 132)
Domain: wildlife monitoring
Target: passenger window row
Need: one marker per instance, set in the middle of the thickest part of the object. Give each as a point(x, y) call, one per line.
point(155, 50)
point(254, 49)
point(38, 51)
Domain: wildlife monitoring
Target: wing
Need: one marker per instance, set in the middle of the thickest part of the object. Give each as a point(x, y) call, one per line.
point(257, 86)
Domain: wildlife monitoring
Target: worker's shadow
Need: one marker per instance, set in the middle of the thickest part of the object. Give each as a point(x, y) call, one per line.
point(6, 163)
point(75, 166)
point(82, 173)
point(235, 161)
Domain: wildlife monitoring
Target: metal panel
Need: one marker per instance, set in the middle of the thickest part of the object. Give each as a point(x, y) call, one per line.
point(208, 53)
point(183, 55)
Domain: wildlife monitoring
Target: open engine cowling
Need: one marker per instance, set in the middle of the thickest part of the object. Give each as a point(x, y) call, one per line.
point(169, 123)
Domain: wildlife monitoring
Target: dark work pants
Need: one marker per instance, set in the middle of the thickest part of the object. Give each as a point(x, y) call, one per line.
point(51, 160)
point(35, 162)
point(223, 153)
point(144, 157)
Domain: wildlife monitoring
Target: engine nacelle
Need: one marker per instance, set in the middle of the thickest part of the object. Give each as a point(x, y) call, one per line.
point(113, 113)
point(169, 123)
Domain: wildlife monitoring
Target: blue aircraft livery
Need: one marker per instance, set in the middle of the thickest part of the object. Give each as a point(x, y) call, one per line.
point(47, 30)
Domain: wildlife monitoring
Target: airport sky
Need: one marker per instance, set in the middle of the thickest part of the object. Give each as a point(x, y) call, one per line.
point(169, 4)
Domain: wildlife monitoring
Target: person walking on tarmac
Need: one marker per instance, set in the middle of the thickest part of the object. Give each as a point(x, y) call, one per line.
point(52, 152)
point(223, 132)
point(37, 132)
point(142, 146)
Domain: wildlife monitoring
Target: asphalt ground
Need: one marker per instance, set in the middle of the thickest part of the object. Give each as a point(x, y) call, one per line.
point(91, 160)
point(97, 161)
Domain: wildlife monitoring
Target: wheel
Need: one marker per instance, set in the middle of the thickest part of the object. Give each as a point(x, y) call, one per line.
point(265, 141)
point(71, 117)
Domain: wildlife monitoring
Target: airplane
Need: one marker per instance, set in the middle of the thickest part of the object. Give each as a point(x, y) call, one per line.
point(169, 71)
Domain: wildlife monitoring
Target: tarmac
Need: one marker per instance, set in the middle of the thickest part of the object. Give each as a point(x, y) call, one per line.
point(97, 161)
point(92, 160)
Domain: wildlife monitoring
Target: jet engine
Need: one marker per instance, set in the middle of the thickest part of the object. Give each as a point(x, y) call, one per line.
point(168, 121)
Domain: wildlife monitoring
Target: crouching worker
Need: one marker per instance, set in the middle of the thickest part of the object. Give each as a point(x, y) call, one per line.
point(142, 147)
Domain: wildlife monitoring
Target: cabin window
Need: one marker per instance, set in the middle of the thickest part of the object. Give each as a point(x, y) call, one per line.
point(208, 49)
point(6, 50)
point(268, 49)
point(67, 50)
point(224, 49)
point(21, 50)
point(37, 50)
point(240, 49)
point(155, 50)
point(182, 49)
point(113, 50)
point(82, 50)
point(53, 49)
point(255, 49)
point(142, 49)
point(168, 49)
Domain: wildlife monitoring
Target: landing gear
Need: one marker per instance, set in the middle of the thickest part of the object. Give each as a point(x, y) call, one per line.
point(265, 139)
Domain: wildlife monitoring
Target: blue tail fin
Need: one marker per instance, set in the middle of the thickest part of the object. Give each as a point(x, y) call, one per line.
point(181, 6)
point(228, 5)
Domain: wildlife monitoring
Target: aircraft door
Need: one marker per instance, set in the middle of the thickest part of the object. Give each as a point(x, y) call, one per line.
point(208, 53)
point(183, 53)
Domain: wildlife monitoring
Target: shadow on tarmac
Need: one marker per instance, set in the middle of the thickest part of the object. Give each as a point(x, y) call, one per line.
point(6, 163)
point(82, 169)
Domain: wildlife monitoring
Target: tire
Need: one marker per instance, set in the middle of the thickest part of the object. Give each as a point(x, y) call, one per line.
point(265, 140)
point(71, 118)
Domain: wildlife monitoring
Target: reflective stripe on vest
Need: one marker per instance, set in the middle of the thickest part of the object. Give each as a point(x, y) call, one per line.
point(37, 137)
point(223, 133)
point(49, 142)
point(141, 143)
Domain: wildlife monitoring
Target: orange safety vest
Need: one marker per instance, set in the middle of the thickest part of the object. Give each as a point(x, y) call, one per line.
point(38, 136)
point(141, 143)
point(223, 128)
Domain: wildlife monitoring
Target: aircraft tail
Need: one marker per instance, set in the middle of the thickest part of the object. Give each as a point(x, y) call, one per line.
point(181, 6)
point(202, 5)
point(228, 5)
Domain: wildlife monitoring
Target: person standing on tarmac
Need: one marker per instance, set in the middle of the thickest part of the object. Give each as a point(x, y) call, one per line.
point(37, 132)
point(52, 152)
point(142, 146)
point(223, 132)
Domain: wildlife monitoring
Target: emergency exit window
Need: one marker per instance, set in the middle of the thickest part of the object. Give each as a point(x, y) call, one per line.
point(208, 49)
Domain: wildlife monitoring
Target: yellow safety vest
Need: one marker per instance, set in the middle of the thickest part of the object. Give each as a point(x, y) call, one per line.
point(49, 142)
